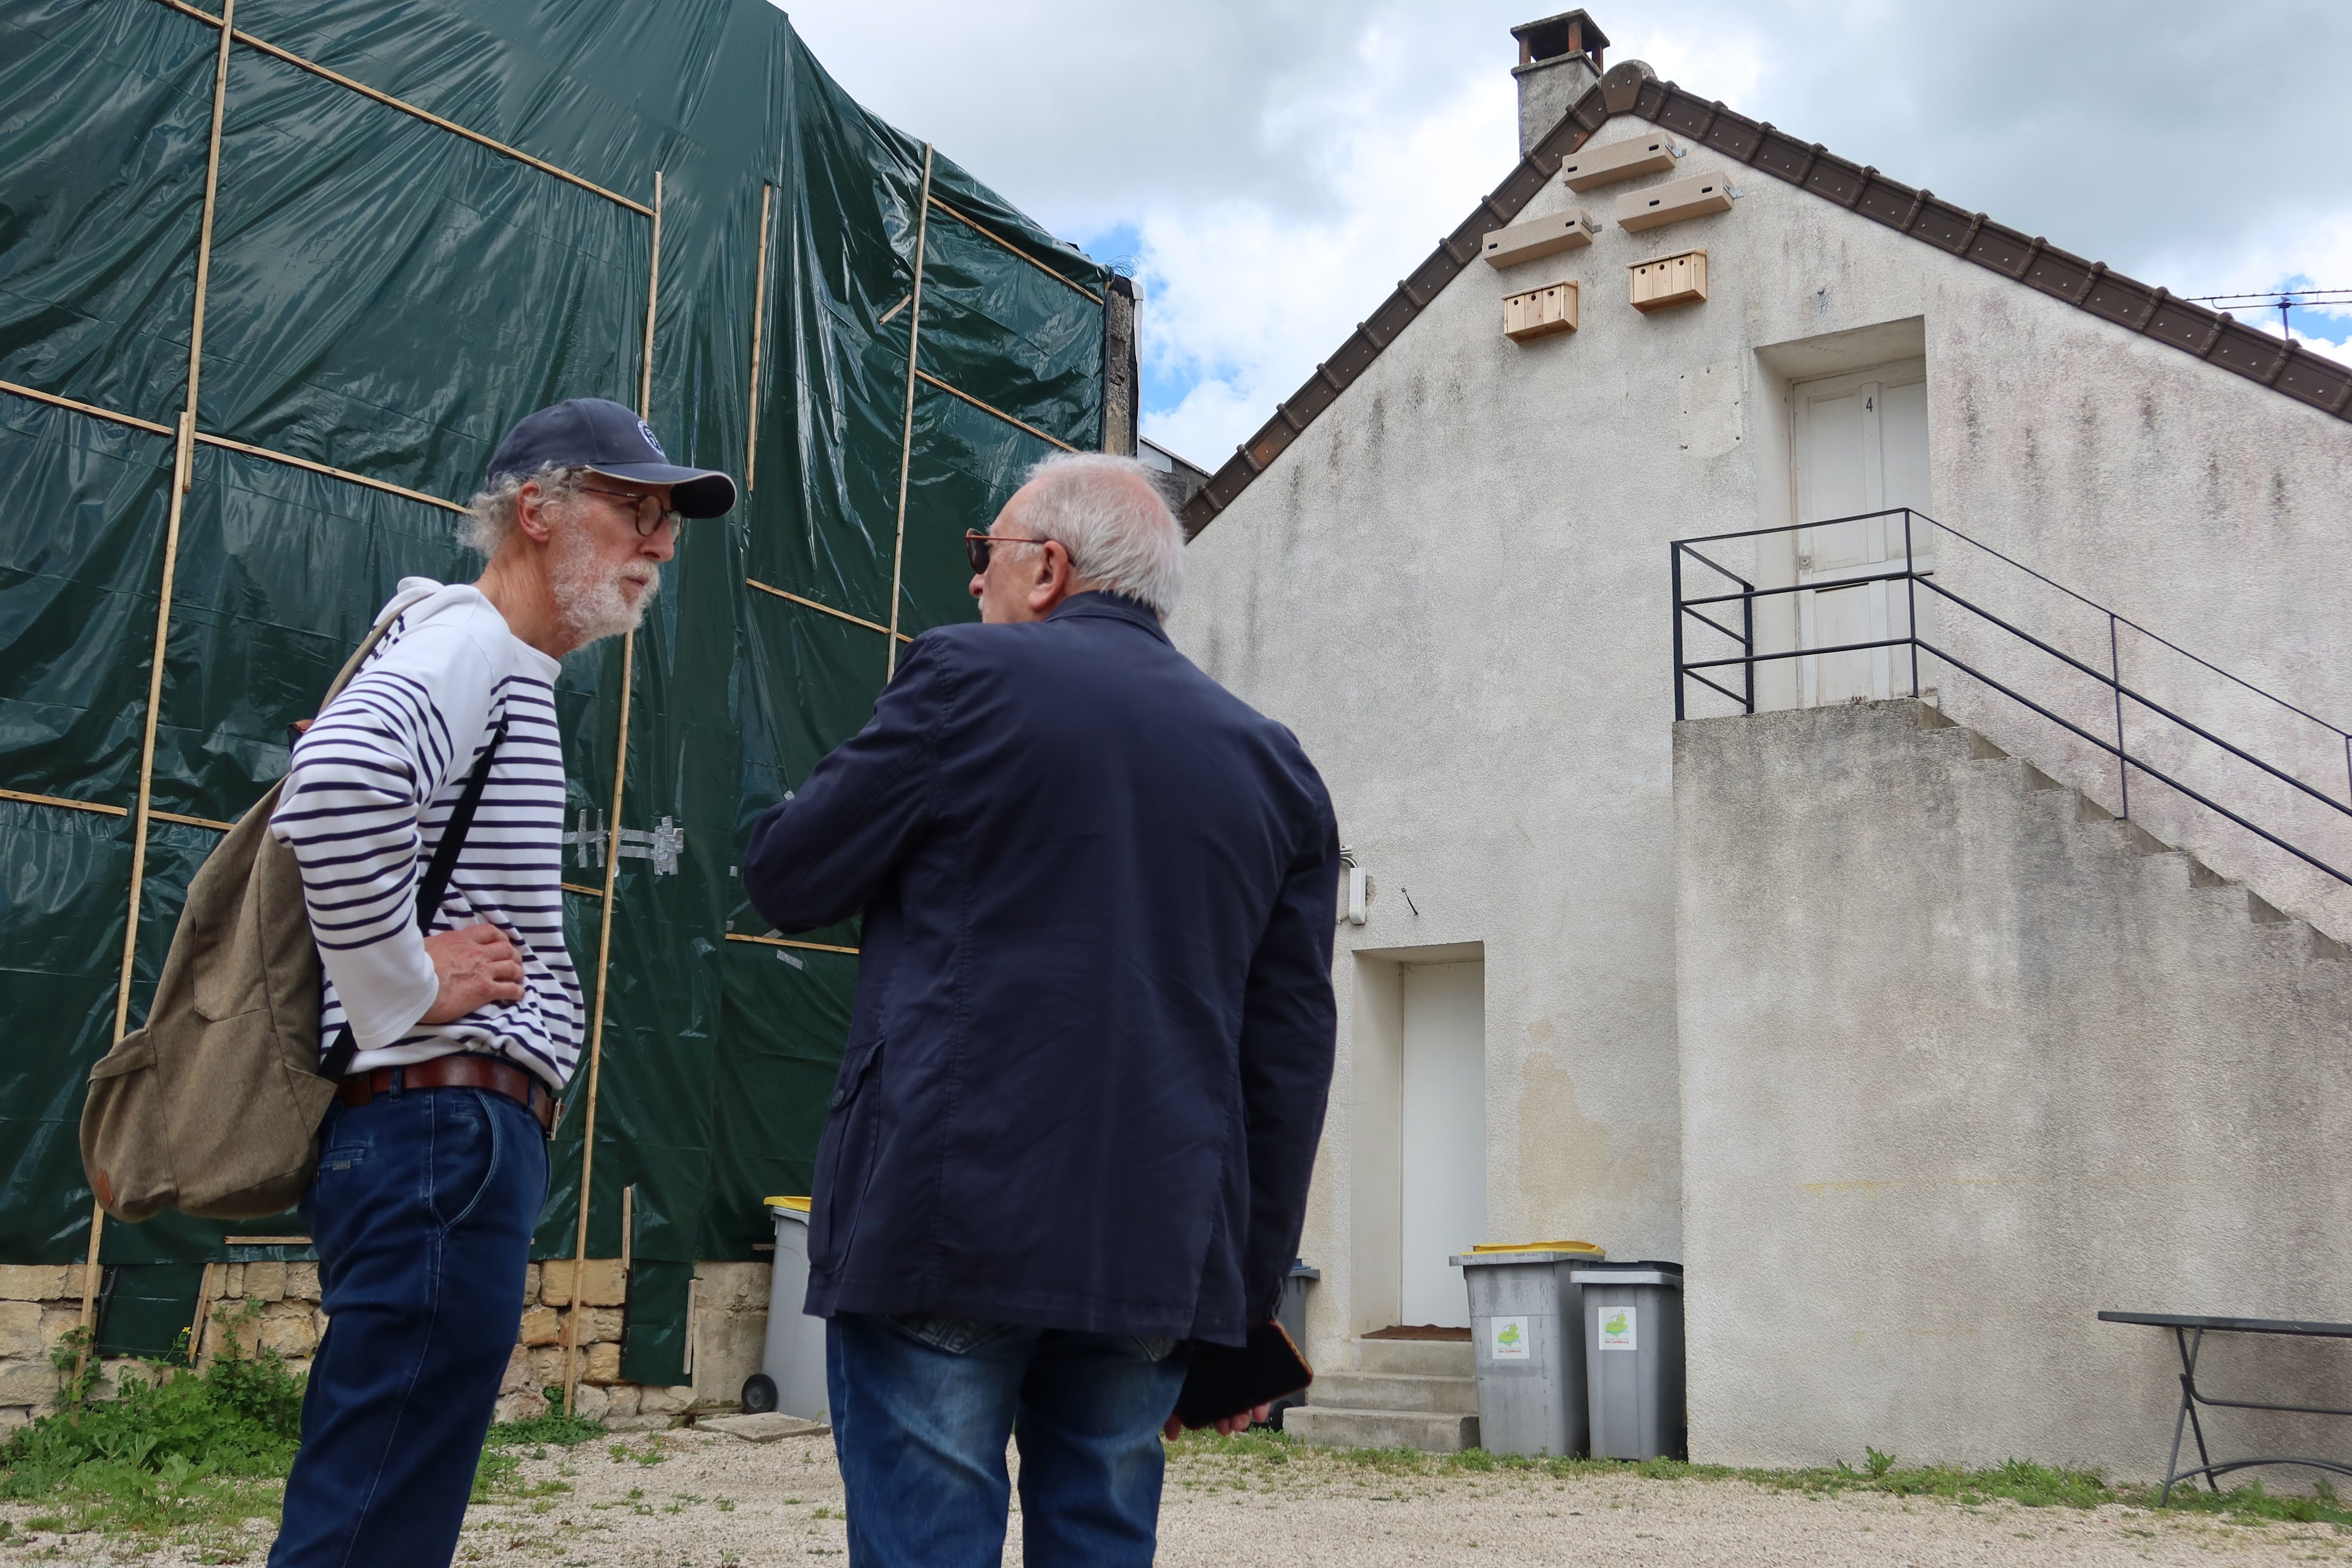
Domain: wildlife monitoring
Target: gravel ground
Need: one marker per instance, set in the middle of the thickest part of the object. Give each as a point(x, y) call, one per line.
point(697, 1500)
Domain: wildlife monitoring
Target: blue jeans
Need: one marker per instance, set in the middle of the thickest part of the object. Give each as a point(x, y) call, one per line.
point(422, 1212)
point(921, 1409)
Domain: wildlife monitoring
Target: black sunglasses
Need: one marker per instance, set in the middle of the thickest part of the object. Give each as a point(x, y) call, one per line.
point(650, 512)
point(975, 546)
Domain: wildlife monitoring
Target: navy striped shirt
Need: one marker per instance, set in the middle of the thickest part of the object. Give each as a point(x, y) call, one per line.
point(369, 791)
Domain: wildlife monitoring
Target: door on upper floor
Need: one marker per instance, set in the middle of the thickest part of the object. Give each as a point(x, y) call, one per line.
point(1861, 454)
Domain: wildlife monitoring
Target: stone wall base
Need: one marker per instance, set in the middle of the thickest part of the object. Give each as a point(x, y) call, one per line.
point(39, 1304)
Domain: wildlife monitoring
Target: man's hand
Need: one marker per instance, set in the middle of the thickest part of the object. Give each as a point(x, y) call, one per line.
point(476, 965)
point(1225, 1428)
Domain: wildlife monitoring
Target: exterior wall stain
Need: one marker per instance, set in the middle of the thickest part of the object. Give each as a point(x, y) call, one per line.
point(1452, 585)
point(1962, 1068)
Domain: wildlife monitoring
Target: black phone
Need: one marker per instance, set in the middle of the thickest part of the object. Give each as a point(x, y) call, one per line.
point(1226, 1380)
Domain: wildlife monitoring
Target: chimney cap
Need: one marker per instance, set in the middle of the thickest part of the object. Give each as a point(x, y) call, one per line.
point(1569, 33)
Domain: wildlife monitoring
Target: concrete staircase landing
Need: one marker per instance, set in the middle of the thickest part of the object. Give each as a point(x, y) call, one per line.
point(1403, 1394)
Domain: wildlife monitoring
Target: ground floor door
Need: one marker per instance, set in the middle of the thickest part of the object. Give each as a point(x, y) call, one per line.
point(1861, 454)
point(1443, 1126)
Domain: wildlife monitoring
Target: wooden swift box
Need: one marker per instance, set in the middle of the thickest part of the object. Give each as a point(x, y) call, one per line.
point(1540, 312)
point(1675, 201)
point(1542, 237)
point(1591, 166)
point(1669, 280)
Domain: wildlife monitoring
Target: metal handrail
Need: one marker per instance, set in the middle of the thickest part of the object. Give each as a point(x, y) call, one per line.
point(2189, 724)
point(2123, 758)
point(1683, 546)
point(1748, 659)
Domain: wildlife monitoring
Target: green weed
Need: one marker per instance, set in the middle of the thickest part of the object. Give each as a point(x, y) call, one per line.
point(239, 1416)
point(176, 1451)
point(554, 1429)
point(2019, 1481)
point(652, 1452)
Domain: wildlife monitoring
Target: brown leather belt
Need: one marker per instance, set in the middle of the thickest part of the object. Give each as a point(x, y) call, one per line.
point(463, 1070)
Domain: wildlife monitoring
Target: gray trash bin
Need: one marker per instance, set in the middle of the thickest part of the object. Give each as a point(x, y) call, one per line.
point(1292, 1315)
point(1525, 1323)
point(790, 1378)
point(1633, 1360)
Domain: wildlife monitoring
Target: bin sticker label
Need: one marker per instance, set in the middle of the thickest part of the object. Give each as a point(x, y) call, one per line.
point(1617, 1329)
point(1507, 1338)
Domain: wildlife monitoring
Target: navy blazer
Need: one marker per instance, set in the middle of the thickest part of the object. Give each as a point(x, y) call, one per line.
point(1094, 1026)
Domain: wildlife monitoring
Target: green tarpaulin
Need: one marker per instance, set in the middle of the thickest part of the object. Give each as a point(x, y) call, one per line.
point(384, 294)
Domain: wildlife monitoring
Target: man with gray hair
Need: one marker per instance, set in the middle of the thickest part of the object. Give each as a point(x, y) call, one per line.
point(1086, 1075)
point(452, 1041)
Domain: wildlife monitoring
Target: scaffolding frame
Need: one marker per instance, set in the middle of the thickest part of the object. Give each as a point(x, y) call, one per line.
point(185, 436)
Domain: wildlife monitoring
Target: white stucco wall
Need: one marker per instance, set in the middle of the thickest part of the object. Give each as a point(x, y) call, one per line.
point(1962, 1069)
point(1453, 586)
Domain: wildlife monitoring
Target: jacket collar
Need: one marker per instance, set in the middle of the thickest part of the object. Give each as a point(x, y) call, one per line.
point(1096, 605)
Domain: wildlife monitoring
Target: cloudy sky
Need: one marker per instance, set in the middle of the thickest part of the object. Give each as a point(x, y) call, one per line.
point(1267, 169)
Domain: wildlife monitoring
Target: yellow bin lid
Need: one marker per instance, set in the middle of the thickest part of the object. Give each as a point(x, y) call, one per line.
point(1535, 1247)
point(800, 1205)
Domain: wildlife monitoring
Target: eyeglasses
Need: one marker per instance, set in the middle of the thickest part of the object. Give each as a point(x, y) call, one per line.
point(975, 546)
point(650, 512)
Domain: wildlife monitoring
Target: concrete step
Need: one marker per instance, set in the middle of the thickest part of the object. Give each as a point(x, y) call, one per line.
point(1396, 1391)
point(2059, 802)
point(1418, 1358)
point(1338, 1428)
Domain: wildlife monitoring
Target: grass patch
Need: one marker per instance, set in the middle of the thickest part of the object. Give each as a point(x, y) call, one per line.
point(553, 1430)
point(652, 1451)
point(175, 1453)
point(498, 1474)
point(182, 1455)
point(1270, 1455)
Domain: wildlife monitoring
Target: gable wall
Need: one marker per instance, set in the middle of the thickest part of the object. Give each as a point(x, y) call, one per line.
point(1453, 586)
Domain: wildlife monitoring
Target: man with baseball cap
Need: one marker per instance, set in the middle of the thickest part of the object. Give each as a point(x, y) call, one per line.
point(453, 1041)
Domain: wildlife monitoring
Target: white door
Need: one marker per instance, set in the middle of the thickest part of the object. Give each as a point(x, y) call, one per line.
point(1444, 1129)
point(1862, 449)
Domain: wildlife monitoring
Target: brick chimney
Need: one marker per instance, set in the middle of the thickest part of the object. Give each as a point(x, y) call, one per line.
point(1559, 58)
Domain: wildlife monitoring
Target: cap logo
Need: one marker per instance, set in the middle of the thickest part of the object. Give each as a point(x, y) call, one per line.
point(648, 432)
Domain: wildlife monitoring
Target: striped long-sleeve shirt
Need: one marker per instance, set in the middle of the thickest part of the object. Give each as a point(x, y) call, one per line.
point(369, 793)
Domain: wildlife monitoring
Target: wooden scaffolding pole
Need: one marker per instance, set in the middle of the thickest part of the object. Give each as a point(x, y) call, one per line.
point(928, 379)
point(182, 460)
point(906, 430)
point(228, 28)
point(653, 297)
point(758, 328)
point(612, 874)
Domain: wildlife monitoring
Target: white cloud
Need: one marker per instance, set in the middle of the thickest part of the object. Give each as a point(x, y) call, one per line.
point(1241, 298)
point(1286, 161)
point(2334, 351)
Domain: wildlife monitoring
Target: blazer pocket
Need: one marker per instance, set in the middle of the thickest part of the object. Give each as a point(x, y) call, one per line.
point(847, 1150)
point(856, 1068)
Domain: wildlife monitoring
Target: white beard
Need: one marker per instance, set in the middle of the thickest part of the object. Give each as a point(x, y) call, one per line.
point(592, 598)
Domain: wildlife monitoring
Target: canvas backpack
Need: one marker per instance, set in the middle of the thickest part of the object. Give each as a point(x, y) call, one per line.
point(213, 1107)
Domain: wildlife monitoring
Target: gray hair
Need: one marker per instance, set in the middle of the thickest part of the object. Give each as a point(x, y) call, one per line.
point(490, 515)
point(1108, 514)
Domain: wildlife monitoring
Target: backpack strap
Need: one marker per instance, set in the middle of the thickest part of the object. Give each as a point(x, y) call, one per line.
point(358, 656)
point(295, 731)
point(437, 871)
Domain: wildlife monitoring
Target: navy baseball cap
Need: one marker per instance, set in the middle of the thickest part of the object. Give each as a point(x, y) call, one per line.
point(600, 436)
